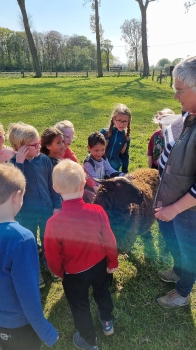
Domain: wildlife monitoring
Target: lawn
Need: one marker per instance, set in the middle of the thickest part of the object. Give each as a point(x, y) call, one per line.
point(139, 322)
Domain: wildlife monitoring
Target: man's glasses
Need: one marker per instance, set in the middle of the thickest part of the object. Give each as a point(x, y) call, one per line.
point(36, 145)
point(124, 122)
point(180, 92)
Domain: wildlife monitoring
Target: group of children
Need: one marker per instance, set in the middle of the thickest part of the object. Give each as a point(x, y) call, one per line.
point(42, 190)
point(78, 245)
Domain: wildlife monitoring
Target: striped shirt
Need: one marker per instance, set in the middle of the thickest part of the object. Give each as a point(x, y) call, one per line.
point(172, 133)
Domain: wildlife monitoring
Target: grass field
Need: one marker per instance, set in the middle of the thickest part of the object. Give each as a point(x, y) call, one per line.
point(139, 322)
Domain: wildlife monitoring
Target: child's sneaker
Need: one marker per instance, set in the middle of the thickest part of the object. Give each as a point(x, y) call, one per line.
point(82, 344)
point(106, 325)
point(41, 281)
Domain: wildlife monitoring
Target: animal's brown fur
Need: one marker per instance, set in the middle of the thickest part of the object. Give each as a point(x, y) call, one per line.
point(129, 220)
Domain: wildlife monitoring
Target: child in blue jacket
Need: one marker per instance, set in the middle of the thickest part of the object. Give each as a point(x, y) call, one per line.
point(22, 323)
point(117, 136)
point(40, 200)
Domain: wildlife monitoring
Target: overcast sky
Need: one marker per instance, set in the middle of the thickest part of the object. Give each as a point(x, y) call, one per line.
point(171, 32)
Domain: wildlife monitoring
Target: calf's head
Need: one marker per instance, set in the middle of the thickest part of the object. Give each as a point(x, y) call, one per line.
point(122, 191)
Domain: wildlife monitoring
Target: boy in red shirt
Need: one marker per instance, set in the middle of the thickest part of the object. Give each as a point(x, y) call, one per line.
point(80, 247)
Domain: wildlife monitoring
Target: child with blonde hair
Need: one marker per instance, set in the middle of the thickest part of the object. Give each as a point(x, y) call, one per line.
point(117, 136)
point(40, 200)
point(22, 323)
point(81, 248)
point(6, 152)
point(67, 129)
point(156, 142)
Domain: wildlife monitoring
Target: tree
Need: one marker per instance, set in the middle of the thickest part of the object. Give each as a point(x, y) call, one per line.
point(143, 4)
point(162, 62)
point(188, 4)
point(97, 28)
point(176, 61)
point(106, 46)
point(132, 35)
point(29, 35)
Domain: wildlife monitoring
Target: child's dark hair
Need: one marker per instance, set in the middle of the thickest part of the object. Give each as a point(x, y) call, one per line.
point(95, 138)
point(120, 108)
point(48, 137)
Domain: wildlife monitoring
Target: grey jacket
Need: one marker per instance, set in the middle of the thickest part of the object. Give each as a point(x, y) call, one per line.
point(179, 174)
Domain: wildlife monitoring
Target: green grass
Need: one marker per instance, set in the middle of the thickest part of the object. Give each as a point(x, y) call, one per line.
point(140, 323)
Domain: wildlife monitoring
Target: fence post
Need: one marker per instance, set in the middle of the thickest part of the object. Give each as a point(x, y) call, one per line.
point(153, 74)
point(56, 74)
point(161, 76)
point(171, 81)
point(87, 73)
point(118, 72)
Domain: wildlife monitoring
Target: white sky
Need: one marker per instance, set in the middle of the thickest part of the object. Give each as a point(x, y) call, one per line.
point(171, 32)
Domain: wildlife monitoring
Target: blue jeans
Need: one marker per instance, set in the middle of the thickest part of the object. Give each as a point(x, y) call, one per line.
point(180, 237)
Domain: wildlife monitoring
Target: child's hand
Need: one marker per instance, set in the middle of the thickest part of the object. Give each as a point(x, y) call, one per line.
point(95, 188)
point(55, 211)
point(131, 176)
point(111, 270)
point(21, 154)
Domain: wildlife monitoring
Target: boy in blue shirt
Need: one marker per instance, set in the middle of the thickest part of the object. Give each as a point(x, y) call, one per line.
point(22, 323)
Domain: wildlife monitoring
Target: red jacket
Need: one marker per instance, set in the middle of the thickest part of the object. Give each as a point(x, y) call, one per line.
point(70, 154)
point(78, 237)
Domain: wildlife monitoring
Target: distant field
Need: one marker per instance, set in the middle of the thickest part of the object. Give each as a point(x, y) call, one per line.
point(139, 322)
point(87, 102)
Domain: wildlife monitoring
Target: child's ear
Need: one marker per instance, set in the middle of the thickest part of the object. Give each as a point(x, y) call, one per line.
point(16, 195)
point(88, 148)
point(48, 146)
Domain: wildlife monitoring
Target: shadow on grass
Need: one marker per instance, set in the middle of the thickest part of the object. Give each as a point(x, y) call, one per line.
point(139, 322)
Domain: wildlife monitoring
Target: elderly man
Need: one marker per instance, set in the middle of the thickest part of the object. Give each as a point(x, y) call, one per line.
point(176, 197)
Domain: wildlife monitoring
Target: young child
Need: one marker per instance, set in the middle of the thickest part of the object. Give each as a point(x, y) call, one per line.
point(96, 164)
point(117, 136)
point(40, 200)
point(156, 142)
point(67, 129)
point(81, 248)
point(22, 323)
point(52, 144)
point(6, 152)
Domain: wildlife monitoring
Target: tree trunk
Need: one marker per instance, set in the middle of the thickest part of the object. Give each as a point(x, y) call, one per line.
point(32, 46)
point(99, 63)
point(144, 43)
point(143, 9)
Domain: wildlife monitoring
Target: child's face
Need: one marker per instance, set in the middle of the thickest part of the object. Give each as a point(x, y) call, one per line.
point(121, 121)
point(97, 151)
point(68, 136)
point(57, 147)
point(33, 148)
point(2, 139)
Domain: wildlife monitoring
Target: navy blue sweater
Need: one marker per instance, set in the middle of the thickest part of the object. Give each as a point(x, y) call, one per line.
point(114, 148)
point(39, 196)
point(20, 302)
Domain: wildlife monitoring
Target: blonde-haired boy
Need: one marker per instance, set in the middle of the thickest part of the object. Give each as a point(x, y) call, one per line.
point(22, 323)
point(40, 200)
point(80, 248)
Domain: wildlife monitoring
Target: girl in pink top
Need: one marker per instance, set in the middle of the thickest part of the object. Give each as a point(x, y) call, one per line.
point(67, 128)
point(6, 152)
